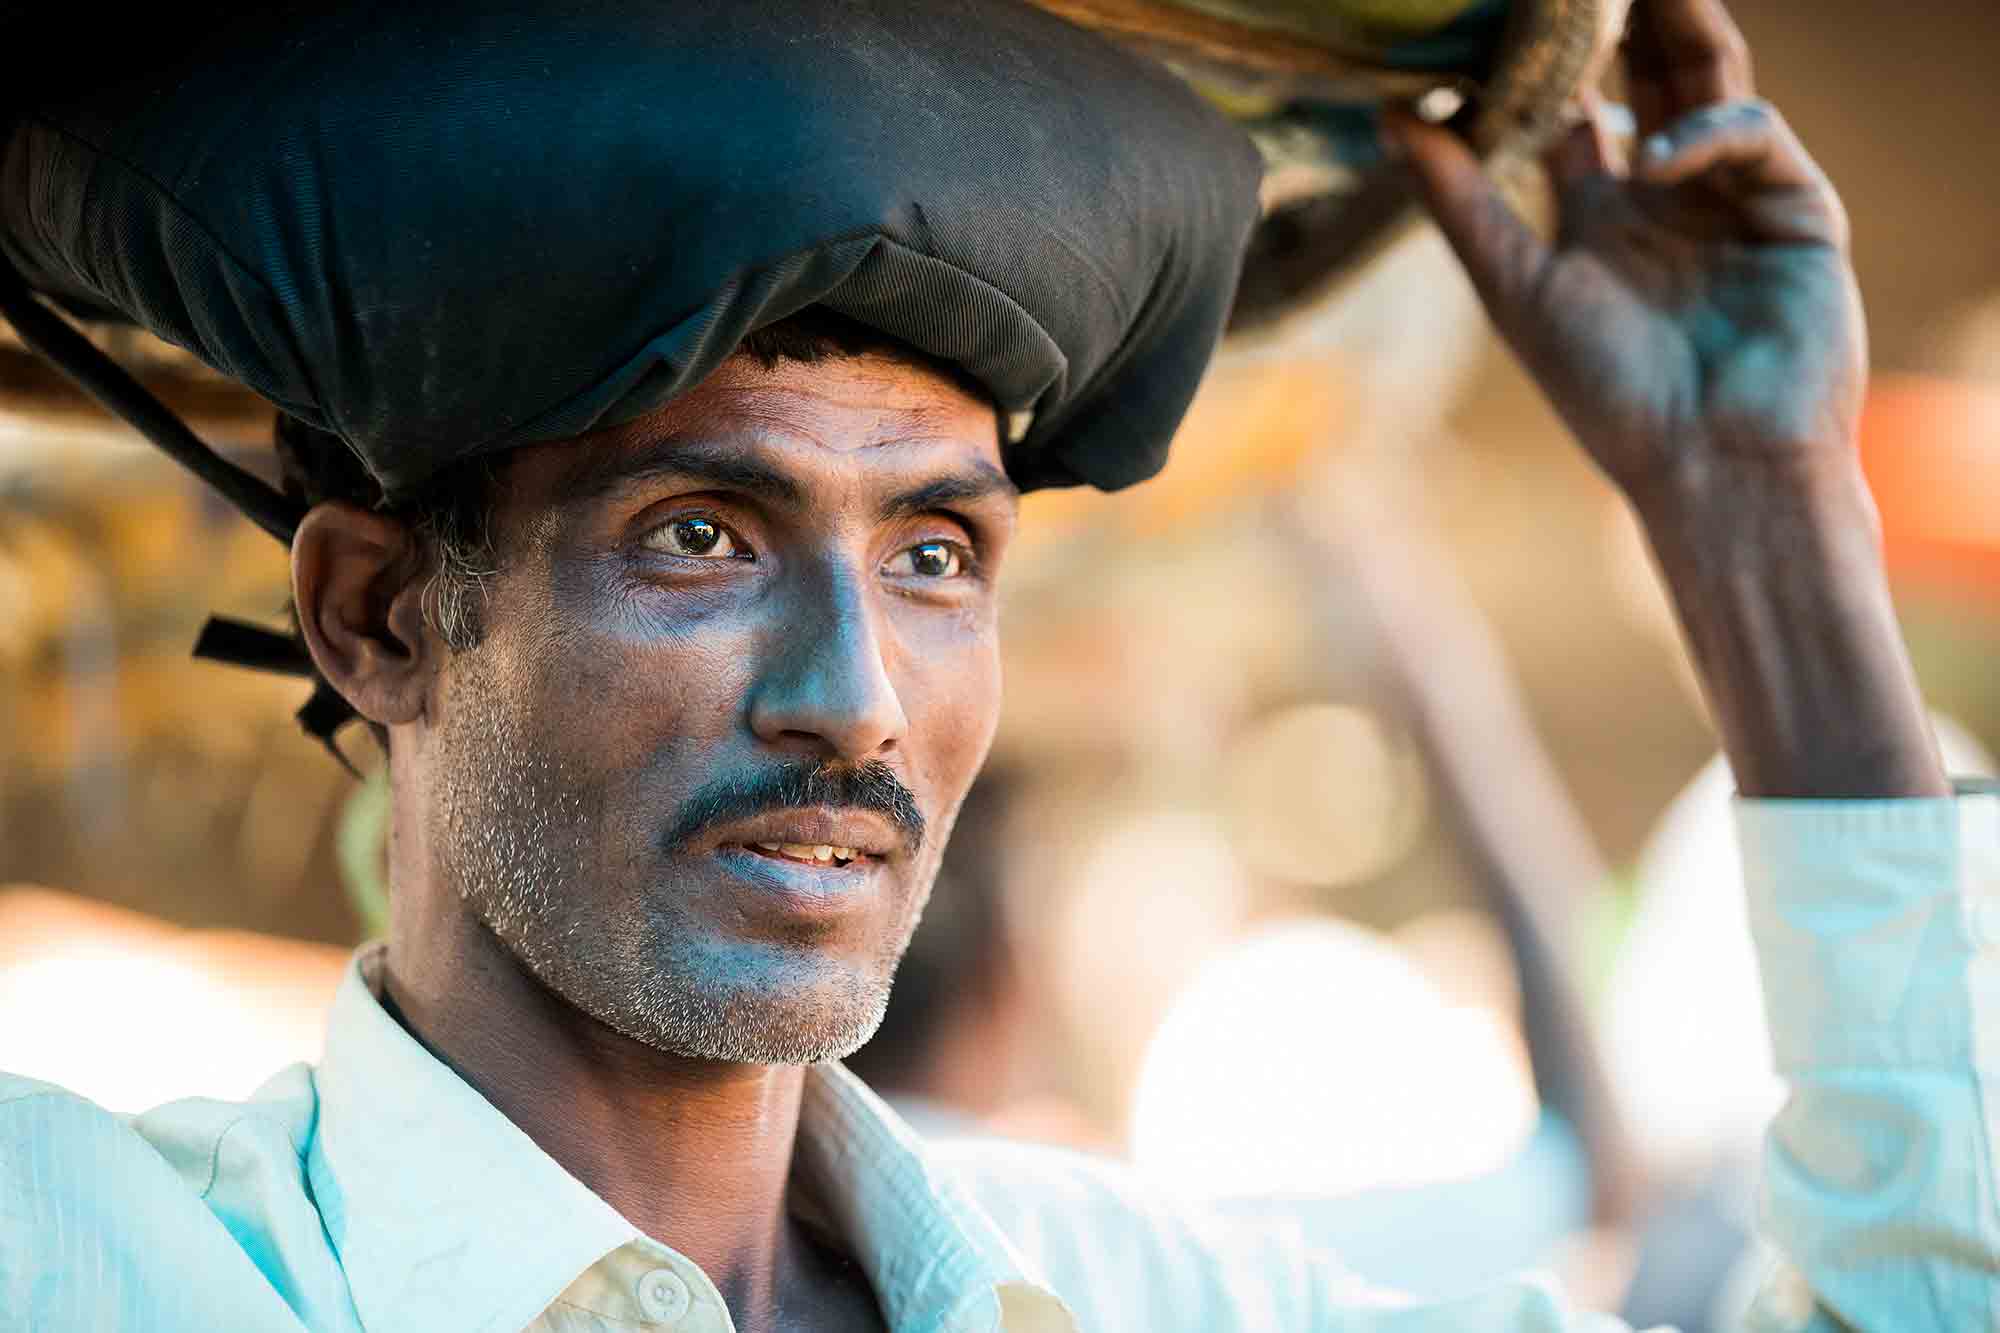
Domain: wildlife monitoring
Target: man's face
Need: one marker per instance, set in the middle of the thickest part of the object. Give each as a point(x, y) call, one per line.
point(754, 626)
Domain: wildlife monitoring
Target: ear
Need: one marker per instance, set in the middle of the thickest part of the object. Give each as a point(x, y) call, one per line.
point(357, 580)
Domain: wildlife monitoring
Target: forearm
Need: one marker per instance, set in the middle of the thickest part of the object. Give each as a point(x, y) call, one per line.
point(1875, 941)
point(1781, 592)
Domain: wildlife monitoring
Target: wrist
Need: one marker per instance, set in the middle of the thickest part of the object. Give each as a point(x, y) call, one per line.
point(1778, 580)
point(1763, 508)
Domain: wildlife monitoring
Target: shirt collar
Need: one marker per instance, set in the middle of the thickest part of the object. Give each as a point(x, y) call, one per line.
point(445, 1215)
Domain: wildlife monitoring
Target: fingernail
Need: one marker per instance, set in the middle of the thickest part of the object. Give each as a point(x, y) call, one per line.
point(1439, 105)
point(1659, 148)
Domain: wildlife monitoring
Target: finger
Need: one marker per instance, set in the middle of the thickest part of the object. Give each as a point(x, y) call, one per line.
point(1757, 158)
point(1648, 101)
point(1748, 136)
point(1681, 55)
point(1588, 149)
point(1501, 253)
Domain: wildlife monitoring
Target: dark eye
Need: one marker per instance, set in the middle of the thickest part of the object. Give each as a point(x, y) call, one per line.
point(928, 560)
point(694, 537)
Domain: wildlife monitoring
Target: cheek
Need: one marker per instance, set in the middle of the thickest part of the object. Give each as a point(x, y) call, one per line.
point(642, 682)
point(625, 683)
point(947, 677)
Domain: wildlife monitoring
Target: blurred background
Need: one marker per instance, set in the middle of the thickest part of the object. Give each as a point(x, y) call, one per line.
point(1352, 854)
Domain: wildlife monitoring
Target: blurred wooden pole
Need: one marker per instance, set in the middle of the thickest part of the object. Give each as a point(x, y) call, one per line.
point(1379, 565)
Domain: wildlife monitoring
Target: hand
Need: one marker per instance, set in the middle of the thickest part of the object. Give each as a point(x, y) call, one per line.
point(1697, 325)
point(1696, 318)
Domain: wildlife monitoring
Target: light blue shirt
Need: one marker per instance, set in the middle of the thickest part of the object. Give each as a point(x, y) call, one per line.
point(378, 1191)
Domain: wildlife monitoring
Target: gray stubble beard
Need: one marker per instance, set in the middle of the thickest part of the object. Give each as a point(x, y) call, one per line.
point(513, 831)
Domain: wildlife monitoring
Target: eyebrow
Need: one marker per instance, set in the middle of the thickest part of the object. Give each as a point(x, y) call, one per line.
point(975, 484)
point(621, 470)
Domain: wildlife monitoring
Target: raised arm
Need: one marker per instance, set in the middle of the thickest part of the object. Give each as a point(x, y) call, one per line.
point(1697, 324)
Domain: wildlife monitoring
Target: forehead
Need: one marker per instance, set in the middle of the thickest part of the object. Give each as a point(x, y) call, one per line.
point(850, 421)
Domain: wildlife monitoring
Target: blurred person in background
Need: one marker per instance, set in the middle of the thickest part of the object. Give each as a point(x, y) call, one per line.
point(675, 748)
point(954, 1056)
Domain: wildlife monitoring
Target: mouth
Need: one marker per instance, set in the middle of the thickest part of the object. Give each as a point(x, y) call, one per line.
point(818, 885)
point(807, 854)
point(815, 838)
point(813, 868)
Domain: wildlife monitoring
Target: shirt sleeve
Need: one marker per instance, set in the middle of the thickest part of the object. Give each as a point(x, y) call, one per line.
point(1877, 928)
point(1877, 925)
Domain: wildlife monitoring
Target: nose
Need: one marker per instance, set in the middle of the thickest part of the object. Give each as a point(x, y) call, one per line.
point(826, 689)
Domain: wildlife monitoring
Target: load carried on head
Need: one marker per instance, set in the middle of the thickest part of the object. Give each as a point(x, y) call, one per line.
point(437, 232)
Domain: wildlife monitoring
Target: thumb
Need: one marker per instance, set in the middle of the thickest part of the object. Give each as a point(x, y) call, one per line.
point(1500, 252)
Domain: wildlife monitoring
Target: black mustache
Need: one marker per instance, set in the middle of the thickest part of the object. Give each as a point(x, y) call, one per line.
point(871, 786)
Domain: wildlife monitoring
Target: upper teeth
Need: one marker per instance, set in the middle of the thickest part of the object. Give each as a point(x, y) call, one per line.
point(807, 851)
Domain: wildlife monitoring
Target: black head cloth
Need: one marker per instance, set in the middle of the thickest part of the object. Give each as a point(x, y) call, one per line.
point(440, 230)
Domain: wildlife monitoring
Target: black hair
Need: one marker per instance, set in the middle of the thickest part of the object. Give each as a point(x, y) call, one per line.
point(452, 514)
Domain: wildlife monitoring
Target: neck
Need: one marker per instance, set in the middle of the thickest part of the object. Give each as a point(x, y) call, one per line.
point(695, 1154)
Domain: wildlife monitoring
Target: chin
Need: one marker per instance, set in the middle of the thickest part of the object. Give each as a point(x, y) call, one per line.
point(739, 1002)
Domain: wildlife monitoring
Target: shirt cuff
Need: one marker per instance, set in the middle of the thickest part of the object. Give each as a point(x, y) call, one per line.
point(1877, 926)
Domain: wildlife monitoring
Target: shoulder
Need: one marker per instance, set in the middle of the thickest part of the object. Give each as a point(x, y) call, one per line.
point(152, 1207)
point(1110, 1242)
point(192, 1139)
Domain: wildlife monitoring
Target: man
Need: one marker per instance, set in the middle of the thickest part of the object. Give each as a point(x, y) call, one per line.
point(676, 733)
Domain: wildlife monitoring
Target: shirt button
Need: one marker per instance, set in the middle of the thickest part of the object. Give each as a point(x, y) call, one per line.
point(663, 1297)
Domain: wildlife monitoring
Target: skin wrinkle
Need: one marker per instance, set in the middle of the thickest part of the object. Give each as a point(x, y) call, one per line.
point(562, 933)
point(515, 831)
